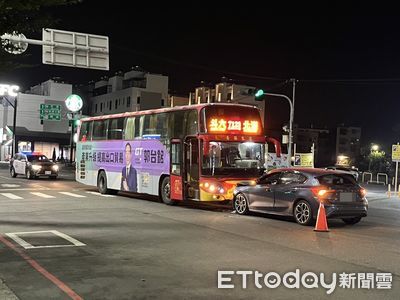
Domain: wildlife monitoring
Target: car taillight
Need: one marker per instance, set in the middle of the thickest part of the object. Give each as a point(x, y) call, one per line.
point(363, 192)
point(320, 192)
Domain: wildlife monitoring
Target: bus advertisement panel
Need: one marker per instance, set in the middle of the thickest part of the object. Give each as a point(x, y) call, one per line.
point(133, 166)
point(197, 152)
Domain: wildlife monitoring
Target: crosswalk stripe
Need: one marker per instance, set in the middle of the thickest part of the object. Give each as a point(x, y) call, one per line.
point(42, 195)
point(98, 194)
point(72, 195)
point(10, 195)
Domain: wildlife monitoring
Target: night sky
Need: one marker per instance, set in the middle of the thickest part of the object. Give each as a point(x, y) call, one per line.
point(348, 67)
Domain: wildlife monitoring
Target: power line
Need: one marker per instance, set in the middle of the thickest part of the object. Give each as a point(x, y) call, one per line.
point(359, 80)
point(195, 66)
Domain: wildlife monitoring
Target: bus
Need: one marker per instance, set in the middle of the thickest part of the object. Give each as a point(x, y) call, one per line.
point(196, 152)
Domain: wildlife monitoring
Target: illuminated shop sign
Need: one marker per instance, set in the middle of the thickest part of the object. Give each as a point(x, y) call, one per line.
point(11, 90)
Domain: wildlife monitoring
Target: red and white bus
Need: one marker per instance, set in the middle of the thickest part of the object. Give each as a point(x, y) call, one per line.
point(197, 152)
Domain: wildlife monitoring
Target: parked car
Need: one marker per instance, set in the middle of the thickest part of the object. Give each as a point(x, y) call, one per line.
point(32, 165)
point(298, 192)
point(349, 170)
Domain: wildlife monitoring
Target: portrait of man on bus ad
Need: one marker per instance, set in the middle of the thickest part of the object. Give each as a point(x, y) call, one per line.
point(129, 178)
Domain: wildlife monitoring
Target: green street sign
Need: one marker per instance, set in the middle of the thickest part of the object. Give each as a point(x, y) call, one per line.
point(50, 112)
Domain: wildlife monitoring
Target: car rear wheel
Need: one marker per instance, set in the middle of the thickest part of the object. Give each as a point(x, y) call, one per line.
point(302, 213)
point(352, 221)
point(12, 172)
point(240, 204)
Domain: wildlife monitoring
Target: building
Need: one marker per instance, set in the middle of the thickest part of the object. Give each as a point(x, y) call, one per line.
point(347, 144)
point(51, 133)
point(226, 92)
point(323, 141)
point(131, 91)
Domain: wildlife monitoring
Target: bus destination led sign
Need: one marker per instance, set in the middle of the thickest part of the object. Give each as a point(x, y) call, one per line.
point(222, 125)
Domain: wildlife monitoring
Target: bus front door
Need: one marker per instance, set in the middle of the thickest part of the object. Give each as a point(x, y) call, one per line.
point(191, 168)
point(176, 171)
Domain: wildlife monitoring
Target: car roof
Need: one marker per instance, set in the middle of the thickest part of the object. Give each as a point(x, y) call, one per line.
point(310, 171)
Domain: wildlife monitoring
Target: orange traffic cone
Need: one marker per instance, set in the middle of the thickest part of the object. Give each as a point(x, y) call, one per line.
point(321, 224)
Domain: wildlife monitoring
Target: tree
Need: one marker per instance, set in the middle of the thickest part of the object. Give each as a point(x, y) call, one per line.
point(27, 17)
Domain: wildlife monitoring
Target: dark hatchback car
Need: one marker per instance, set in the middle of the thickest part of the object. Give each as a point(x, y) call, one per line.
point(32, 165)
point(298, 192)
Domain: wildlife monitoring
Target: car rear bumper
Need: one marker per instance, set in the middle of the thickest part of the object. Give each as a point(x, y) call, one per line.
point(344, 211)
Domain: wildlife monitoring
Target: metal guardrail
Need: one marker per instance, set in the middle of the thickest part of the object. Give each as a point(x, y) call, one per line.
point(384, 175)
point(364, 174)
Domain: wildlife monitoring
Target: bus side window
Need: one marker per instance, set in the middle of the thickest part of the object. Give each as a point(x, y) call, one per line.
point(191, 122)
point(129, 128)
point(175, 159)
point(83, 131)
point(177, 121)
point(100, 130)
point(115, 128)
point(137, 127)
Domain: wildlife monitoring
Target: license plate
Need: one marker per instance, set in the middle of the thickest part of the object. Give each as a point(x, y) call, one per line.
point(47, 172)
point(346, 197)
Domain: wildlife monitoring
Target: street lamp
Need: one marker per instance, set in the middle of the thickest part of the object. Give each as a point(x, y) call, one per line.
point(74, 103)
point(374, 148)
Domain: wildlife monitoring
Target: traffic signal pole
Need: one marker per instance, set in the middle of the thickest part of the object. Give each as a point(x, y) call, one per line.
point(71, 149)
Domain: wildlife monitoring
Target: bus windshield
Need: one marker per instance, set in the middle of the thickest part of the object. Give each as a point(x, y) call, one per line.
point(233, 158)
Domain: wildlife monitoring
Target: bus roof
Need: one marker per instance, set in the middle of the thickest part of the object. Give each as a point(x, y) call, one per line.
point(162, 110)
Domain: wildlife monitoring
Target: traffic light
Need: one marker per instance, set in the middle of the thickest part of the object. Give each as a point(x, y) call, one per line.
point(257, 93)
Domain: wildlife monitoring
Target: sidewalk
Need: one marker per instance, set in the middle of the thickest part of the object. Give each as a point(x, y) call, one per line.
point(4, 164)
point(6, 293)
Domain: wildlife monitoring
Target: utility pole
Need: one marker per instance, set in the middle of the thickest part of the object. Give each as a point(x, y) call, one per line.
point(293, 81)
point(71, 152)
point(15, 145)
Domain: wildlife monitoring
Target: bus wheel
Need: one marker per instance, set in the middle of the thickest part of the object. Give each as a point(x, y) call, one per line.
point(102, 183)
point(166, 192)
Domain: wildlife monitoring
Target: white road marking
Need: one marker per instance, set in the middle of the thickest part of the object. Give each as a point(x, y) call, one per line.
point(26, 245)
point(11, 196)
point(10, 185)
point(98, 194)
point(25, 189)
point(42, 195)
point(72, 195)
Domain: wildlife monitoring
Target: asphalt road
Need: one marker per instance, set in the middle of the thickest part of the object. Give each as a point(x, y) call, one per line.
point(62, 240)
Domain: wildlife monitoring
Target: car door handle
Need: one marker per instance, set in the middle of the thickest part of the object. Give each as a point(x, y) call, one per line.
point(291, 191)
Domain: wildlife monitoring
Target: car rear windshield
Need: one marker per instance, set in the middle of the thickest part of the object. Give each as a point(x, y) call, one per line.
point(335, 179)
